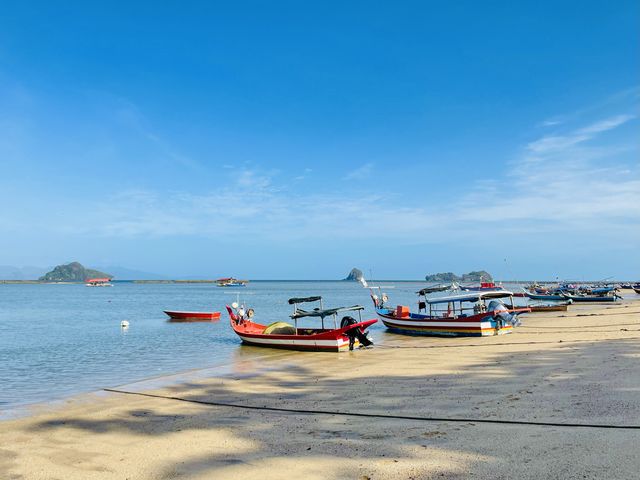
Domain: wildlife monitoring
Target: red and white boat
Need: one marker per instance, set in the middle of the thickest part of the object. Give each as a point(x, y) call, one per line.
point(99, 282)
point(349, 334)
point(466, 314)
point(179, 316)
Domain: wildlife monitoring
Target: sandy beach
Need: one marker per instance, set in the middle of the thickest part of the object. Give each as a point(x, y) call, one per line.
point(555, 399)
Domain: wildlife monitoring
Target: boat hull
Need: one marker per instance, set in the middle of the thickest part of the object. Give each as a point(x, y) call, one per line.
point(577, 298)
point(553, 298)
point(481, 325)
point(320, 341)
point(549, 308)
point(178, 316)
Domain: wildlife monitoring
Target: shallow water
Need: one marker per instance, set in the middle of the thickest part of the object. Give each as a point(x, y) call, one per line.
point(59, 340)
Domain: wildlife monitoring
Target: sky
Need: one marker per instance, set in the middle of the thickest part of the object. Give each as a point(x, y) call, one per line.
point(296, 140)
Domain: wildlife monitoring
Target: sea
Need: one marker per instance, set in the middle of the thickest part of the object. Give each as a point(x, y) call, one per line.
point(59, 340)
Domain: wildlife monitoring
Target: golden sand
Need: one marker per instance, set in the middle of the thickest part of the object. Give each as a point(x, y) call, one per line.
point(579, 367)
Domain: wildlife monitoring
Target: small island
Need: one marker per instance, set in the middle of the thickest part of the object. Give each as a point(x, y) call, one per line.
point(355, 275)
point(475, 276)
point(72, 272)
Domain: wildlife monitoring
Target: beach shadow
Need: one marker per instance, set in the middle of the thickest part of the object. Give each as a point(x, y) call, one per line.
point(536, 385)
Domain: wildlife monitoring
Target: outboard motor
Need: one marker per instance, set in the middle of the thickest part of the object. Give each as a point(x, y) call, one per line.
point(354, 333)
point(501, 313)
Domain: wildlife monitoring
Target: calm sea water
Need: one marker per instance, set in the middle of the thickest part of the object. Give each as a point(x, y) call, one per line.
point(59, 340)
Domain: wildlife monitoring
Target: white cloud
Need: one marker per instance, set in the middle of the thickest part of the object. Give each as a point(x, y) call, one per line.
point(359, 173)
point(552, 143)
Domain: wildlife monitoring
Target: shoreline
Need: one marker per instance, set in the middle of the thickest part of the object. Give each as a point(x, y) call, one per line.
point(568, 367)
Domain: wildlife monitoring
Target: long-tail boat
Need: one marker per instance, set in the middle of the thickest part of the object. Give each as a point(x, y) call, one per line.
point(338, 337)
point(553, 307)
point(483, 287)
point(552, 297)
point(591, 298)
point(465, 314)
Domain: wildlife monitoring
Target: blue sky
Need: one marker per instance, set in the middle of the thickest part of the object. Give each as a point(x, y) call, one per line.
point(300, 139)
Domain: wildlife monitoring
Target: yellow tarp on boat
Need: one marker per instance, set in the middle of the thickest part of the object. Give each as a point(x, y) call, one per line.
point(280, 328)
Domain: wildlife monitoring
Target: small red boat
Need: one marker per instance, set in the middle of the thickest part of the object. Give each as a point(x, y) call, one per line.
point(284, 335)
point(192, 316)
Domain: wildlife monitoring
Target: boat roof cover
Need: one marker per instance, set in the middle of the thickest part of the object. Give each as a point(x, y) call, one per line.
point(316, 312)
point(471, 296)
point(304, 300)
point(95, 280)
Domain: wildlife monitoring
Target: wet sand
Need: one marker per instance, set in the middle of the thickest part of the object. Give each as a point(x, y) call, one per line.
point(579, 367)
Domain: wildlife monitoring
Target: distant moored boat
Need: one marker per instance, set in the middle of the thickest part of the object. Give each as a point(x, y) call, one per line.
point(181, 316)
point(99, 282)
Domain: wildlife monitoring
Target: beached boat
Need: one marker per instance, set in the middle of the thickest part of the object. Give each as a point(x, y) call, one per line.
point(464, 314)
point(182, 316)
point(439, 288)
point(637, 289)
point(557, 307)
point(231, 282)
point(547, 297)
point(591, 298)
point(98, 282)
point(347, 335)
point(483, 287)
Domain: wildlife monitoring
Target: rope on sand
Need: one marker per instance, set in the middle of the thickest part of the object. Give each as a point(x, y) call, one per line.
point(376, 415)
point(601, 325)
point(378, 346)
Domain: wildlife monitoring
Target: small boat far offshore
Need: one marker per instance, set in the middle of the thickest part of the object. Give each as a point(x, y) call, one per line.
point(182, 316)
point(98, 282)
point(231, 282)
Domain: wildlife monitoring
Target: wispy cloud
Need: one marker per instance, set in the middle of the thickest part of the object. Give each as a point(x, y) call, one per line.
point(553, 143)
point(360, 173)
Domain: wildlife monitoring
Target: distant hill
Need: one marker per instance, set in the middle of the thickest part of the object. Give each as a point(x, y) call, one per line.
point(476, 276)
point(354, 275)
point(72, 272)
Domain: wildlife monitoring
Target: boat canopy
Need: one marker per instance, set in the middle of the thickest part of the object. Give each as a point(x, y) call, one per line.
point(98, 280)
point(470, 297)
point(316, 312)
point(293, 301)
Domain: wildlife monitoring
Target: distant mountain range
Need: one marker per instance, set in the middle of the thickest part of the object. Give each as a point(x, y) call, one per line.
point(9, 272)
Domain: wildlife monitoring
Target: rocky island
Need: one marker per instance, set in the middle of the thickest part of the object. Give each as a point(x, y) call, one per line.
point(475, 276)
point(72, 272)
point(355, 275)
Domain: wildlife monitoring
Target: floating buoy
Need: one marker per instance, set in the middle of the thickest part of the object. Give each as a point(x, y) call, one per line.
point(124, 324)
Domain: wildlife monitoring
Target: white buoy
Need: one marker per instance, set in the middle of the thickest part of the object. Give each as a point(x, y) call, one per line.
point(124, 324)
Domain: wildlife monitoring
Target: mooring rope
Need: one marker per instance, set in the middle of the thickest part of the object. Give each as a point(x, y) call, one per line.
point(462, 345)
point(581, 326)
point(376, 415)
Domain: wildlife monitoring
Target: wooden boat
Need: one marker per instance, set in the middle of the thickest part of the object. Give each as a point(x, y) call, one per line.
point(637, 290)
point(548, 297)
point(283, 335)
point(455, 318)
point(591, 298)
point(558, 307)
point(483, 287)
point(98, 282)
point(181, 316)
point(438, 288)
